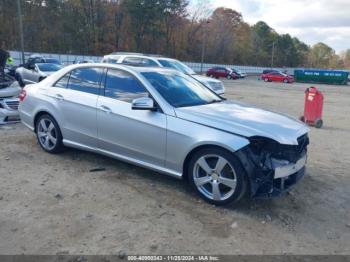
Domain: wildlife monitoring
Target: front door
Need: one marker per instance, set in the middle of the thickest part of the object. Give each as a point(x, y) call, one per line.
point(132, 134)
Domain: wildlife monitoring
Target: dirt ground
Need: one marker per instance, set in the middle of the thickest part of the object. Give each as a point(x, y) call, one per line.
point(53, 204)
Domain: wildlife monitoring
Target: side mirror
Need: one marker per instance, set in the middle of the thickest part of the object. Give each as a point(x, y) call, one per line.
point(143, 103)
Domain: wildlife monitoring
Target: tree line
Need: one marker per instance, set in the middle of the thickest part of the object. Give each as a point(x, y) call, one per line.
point(167, 27)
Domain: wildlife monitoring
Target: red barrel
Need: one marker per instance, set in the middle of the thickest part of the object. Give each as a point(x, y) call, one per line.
point(313, 107)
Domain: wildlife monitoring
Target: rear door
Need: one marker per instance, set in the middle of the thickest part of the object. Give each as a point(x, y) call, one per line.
point(76, 97)
point(134, 134)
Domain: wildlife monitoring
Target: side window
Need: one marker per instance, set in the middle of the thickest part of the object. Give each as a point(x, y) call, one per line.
point(123, 86)
point(62, 83)
point(86, 80)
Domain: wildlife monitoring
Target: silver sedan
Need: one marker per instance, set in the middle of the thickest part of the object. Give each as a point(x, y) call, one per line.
point(166, 121)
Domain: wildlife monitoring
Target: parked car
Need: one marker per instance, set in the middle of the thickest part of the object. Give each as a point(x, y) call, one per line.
point(9, 91)
point(33, 73)
point(277, 77)
point(165, 120)
point(136, 59)
point(239, 73)
point(218, 72)
point(267, 71)
point(35, 59)
point(87, 61)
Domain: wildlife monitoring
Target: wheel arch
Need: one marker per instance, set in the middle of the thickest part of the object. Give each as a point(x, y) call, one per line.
point(201, 147)
point(39, 114)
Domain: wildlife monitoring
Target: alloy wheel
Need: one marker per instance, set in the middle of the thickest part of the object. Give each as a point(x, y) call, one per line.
point(214, 177)
point(47, 134)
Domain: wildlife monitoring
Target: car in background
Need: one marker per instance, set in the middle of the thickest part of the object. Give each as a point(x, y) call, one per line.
point(33, 73)
point(86, 61)
point(35, 59)
point(167, 121)
point(267, 71)
point(9, 91)
point(239, 73)
point(277, 77)
point(138, 59)
point(217, 72)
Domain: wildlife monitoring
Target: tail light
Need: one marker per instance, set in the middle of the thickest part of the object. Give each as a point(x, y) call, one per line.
point(22, 95)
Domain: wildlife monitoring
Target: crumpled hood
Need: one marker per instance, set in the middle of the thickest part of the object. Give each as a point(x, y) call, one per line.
point(247, 121)
point(11, 91)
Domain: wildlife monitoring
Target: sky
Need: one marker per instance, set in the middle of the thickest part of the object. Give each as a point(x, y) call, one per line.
point(312, 21)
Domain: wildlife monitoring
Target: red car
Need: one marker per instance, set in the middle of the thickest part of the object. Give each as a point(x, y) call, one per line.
point(277, 77)
point(218, 72)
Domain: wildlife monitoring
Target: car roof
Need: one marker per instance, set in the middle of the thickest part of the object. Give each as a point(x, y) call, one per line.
point(149, 56)
point(136, 69)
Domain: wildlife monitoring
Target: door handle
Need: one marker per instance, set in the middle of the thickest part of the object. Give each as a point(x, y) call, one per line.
point(59, 97)
point(105, 109)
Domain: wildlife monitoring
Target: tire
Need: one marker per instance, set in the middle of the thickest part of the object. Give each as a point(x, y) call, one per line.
point(318, 123)
point(229, 178)
point(48, 134)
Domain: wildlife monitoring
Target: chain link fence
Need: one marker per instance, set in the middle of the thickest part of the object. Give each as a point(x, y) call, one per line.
point(70, 59)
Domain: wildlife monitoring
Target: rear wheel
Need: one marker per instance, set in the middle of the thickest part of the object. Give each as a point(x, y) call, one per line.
point(217, 176)
point(49, 134)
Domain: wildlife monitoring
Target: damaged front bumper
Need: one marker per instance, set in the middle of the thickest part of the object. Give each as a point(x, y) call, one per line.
point(270, 176)
point(283, 178)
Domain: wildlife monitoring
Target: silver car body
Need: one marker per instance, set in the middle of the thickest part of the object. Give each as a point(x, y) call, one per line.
point(214, 84)
point(157, 140)
point(9, 102)
point(31, 76)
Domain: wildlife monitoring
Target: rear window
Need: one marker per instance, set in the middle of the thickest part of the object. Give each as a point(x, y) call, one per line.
point(85, 80)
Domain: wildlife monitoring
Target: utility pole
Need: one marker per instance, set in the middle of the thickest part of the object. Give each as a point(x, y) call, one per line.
point(204, 42)
point(273, 53)
point(19, 10)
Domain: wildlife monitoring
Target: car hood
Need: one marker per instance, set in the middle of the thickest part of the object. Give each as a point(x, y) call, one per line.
point(201, 78)
point(244, 120)
point(11, 91)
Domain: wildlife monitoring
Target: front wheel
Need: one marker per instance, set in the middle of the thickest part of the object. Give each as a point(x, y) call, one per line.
point(217, 176)
point(49, 134)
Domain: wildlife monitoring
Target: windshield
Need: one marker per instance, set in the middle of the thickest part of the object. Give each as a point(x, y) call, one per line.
point(177, 65)
point(179, 90)
point(48, 67)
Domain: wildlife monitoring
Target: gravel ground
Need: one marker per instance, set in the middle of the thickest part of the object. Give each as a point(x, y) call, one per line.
point(53, 204)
